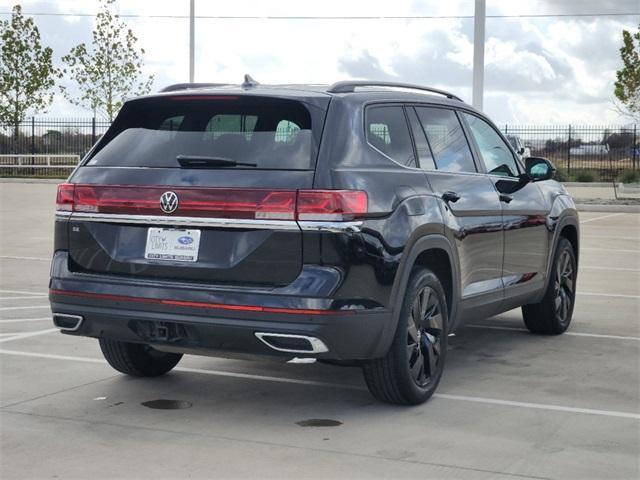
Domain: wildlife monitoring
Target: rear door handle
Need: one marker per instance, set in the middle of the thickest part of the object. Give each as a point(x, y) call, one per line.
point(452, 197)
point(505, 198)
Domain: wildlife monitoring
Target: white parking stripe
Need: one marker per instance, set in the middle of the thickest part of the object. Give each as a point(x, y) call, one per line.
point(612, 250)
point(20, 320)
point(38, 259)
point(540, 406)
point(614, 295)
point(23, 298)
point(24, 308)
point(573, 334)
point(611, 237)
point(28, 334)
point(613, 269)
point(444, 396)
point(600, 218)
point(22, 292)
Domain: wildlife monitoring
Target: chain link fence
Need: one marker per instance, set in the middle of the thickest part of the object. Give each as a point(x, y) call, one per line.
point(51, 147)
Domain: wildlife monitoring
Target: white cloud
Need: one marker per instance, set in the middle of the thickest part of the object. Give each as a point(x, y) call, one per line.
point(548, 70)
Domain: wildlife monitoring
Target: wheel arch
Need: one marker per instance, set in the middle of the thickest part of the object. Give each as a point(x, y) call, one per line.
point(435, 252)
point(566, 226)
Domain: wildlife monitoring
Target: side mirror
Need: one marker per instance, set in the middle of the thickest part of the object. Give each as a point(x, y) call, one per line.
point(539, 169)
point(521, 150)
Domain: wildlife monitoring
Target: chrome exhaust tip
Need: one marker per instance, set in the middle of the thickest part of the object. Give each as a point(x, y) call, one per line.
point(284, 342)
point(67, 322)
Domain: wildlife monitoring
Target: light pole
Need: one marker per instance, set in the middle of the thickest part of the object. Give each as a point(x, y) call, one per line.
point(192, 40)
point(478, 53)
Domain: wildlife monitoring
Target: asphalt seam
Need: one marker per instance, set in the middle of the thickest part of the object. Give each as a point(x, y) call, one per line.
point(276, 444)
point(50, 394)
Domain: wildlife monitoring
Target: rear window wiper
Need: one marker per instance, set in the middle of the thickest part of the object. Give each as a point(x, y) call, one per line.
point(195, 161)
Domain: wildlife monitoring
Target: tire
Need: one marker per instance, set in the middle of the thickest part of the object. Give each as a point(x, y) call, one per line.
point(421, 336)
point(552, 315)
point(137, 359)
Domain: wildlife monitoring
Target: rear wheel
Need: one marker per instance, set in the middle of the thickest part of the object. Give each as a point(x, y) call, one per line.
point(552, 315)
point(410, 371)
point(137, 359)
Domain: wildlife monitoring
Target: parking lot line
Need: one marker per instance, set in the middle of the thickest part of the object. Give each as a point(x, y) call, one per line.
point(614, 295)
point(19, 320)
point(23, 298)
point(23, 292)
point(601, 218)
point(444, 396)
point(37, 259)
point(616, 269)
point(613, 250)
point(20, 336)
point(573, 334)
point(24, 308)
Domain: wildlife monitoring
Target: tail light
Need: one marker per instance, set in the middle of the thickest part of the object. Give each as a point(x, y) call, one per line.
point(317, 205)
point(64, 198)
point(334, 205)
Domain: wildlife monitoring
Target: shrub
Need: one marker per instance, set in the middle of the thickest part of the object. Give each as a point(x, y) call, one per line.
point(629, 176)
point(561, 175)
point(584, 176)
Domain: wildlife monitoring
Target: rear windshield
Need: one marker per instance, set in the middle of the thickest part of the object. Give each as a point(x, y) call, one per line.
point(270, 133)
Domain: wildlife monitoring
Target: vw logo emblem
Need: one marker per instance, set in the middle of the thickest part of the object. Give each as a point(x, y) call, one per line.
point(169, 202)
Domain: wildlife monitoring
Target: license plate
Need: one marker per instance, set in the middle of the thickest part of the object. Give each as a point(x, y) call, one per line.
point(171, 244)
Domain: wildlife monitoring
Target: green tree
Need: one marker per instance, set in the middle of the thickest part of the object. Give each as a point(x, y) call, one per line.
point(110, 70)
point(27, 75)
point(627, 86)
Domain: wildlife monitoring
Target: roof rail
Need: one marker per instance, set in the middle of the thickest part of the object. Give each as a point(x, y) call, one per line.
point(190, 86)
point(349, 86)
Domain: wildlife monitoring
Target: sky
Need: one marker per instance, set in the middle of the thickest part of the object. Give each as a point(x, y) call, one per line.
point(554, 68)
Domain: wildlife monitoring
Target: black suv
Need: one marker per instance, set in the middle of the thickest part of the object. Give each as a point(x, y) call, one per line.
point(359, 224)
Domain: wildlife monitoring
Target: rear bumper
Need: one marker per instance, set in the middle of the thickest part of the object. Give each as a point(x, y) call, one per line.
point(197, 321)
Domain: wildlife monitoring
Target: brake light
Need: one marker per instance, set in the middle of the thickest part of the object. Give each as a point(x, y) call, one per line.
point(335, 205)
point(318, 205)
point(64, 197)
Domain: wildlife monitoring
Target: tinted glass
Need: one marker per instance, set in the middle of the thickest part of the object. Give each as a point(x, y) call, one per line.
point(425, 157)
point(450, 149)
point(272, 133)
point(388, 132)
point(495, 152)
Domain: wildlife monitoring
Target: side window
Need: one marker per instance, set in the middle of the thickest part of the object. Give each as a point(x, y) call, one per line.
point(387, 131)
point(449, 146)
point(172, 123)
point(286, 131)
point(425, 156)
point(496, 154)
point(230, 123)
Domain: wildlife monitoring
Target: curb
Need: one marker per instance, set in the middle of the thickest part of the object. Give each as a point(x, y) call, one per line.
point(586, 207)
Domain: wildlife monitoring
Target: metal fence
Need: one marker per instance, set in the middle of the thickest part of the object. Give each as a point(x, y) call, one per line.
point(581, 152)
point(47, 147)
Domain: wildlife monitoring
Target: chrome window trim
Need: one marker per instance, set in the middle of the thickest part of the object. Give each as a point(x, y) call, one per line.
point(151, 220)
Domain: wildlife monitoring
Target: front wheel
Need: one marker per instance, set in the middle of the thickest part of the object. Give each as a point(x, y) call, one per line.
point(410, 371)
point(552, 315)
point(137, 359)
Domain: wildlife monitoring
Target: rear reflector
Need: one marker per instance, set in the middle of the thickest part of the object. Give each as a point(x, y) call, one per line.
point(319, 205)
point(188, 304)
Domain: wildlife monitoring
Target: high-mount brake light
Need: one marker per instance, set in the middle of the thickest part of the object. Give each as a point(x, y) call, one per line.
point(203, 97)
point(237, 203)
